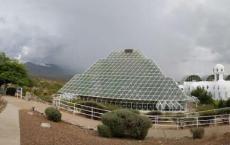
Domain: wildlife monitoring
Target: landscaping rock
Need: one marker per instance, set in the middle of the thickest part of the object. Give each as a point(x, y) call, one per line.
point(45, 125)
point(30, 113)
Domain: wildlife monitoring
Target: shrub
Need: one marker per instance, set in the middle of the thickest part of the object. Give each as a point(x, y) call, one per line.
point(223, 111)
point(11, 91)
point(154, 113)
point(92, 104)
point(135, 111)
point(197, 133)
point(203, 96)
point(205, 107)
point(221, 104)
point(53, 114)
point(46, 98)
point(125, 123)
point(104, 131)
point(228, 103)
point(208, 113)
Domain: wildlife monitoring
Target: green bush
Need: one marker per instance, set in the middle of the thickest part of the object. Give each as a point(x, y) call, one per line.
point(104, 131)
point(197, 133)
point(46, 98)
point(154, 113)
point(205, 107)
point(223, 111)
point(92, 104)
point(221, 104)
point(135, 111)
point(227, 103)
point(203, 96)
point(208, 113)
point(125, 123)
point(53, 114)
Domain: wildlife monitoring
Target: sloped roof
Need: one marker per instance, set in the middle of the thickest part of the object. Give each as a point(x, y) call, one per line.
point(125, 75)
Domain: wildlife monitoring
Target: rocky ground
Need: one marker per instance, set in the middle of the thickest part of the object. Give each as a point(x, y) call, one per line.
point(66, 134)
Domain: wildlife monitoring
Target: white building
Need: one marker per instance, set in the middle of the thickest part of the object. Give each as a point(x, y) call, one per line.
point(219, 88)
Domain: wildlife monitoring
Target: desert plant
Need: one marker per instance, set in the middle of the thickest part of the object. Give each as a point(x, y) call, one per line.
point(154, 113)
point(104, 131)
point(197, 133)
point(53, 114)
point(203, 96)
point(125, 123)
point(228, 103)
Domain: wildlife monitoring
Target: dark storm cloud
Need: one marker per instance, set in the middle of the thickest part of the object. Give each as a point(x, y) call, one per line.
point(181, 36)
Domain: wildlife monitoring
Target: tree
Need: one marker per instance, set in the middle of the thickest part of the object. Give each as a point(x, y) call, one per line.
point(203, 96)
point(193, 78)
point(227, 104)
point(221, 104)
point(11, 71)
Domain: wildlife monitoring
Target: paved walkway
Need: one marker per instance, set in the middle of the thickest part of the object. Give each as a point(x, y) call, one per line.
point(66, 116)
point(92, 124)
point(9, 126)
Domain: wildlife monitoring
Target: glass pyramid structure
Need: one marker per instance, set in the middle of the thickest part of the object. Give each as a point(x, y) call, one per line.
point(128, 79)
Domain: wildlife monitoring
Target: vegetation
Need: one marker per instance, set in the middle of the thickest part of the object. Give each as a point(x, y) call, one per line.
point(125, 123)
point(43, 89)
point(203, 96)
point(193, 78)
point(227, 78)
point(53, 114)
point(106, 106)
point(210, 78)
point(104, 130)
point(11, 71)
point(223, 103)
point(14, 74)
point(197, 133)
point(154, 113)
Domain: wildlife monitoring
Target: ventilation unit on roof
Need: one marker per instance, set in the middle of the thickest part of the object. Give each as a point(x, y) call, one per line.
point(128, 50)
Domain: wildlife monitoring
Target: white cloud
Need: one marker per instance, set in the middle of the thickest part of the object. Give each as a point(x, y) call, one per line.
point(181, 36)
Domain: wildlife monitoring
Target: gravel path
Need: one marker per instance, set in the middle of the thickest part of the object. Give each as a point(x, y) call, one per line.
point(66, 116)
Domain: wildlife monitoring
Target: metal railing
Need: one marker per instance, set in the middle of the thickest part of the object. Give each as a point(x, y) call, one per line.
point(183, 122)
point(75, 108)
point(158, 120)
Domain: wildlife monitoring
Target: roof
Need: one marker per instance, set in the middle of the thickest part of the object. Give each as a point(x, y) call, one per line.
point(125, 75)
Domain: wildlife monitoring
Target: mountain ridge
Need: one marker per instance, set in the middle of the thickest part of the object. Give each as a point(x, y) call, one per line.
point(48, 71)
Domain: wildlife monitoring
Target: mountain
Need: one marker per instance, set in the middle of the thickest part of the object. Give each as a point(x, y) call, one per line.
point(49, 71)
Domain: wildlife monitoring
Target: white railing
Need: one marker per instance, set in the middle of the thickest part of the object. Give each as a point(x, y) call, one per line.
point(183, 122)
point(157, 120)
point(92, 112)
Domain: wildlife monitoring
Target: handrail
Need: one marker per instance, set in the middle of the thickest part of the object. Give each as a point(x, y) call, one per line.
point(157, 120)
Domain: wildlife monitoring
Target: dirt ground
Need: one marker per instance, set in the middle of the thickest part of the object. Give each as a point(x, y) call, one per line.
point(66, 134)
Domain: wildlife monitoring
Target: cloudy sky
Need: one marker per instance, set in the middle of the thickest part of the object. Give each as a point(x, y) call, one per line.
point(181, 36)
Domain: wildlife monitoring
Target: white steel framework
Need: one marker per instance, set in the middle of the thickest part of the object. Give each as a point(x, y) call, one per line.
point(128, 79)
